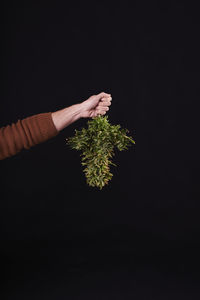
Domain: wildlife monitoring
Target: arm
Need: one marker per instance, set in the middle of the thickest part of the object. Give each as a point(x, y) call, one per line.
point(36, 129)
point(93, 106)
point(25, 134)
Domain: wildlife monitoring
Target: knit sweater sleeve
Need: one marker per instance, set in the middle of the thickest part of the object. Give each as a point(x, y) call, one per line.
point(26, 133)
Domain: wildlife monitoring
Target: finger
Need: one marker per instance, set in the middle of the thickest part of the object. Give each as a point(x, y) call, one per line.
point(101, 113)
point(105, 100)
point(109, 98)
point(104, 103)
point(103, 110)
point(103, 95)
point(97, 113)
point(102, 107)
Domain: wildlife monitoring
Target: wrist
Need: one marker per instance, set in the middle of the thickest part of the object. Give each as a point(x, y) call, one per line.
point(81, 109)
point(66, 116)
point(77, 110)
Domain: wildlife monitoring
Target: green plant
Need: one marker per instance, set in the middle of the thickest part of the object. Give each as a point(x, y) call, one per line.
point(97, 144)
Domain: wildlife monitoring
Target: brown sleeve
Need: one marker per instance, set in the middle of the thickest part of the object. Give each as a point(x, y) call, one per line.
point(26, 133)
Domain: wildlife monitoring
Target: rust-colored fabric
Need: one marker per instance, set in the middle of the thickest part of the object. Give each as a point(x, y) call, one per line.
point(26, 133)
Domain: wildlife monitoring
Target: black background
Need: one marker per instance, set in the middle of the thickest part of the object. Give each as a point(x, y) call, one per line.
point(138, 237)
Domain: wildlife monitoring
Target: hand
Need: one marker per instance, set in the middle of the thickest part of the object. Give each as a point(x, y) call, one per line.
point(96, 105)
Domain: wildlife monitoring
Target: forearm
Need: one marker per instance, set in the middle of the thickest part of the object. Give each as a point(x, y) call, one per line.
point(64, 117)
point(25, 134)
point(39, 128)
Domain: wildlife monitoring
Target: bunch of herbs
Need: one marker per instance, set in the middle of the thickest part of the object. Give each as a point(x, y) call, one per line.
point(97, 144)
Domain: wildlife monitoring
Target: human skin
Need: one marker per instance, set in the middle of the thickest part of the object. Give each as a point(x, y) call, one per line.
point(95, 105)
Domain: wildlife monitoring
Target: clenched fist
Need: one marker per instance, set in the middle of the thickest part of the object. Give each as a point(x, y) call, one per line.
point(96, 105)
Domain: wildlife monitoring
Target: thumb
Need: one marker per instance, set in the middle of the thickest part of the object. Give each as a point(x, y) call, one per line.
point(102, 94)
